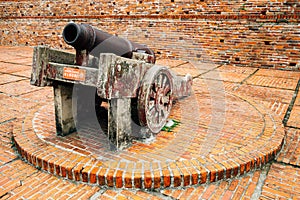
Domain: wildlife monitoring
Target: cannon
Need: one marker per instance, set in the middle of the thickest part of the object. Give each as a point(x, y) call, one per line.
point(85, 37)
point(120, 71)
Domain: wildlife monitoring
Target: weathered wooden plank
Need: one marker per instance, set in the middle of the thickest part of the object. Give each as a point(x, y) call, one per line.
point(119, 122)
point(59, 56)
point(64, 119)
point(42, 55)
point(55, 71)
point(39, 64)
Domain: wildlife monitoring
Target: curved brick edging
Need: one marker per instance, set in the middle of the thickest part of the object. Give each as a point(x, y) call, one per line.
point(59, 159)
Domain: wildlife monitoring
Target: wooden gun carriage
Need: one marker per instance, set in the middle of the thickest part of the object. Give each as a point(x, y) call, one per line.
point(120, 70)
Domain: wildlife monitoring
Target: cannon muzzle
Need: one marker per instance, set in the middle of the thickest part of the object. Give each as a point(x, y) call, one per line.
point(85, 37)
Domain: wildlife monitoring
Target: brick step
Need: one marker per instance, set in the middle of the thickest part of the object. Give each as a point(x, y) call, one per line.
point(222, 135)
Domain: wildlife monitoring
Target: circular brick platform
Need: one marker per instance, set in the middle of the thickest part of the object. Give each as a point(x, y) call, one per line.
point(221, 135)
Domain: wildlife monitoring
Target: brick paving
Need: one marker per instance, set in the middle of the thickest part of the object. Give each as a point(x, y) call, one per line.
point(249, 91)
point(294, 116)
point(282, 182)
point(290, 154)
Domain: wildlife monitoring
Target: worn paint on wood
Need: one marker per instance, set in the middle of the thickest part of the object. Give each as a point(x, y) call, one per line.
point(116, 79)
point(65, 123)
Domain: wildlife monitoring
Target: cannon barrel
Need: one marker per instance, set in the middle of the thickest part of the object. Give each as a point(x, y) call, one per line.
point(95, 41)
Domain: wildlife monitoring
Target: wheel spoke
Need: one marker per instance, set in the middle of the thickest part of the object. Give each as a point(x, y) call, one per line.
point(166, 90)
point(152, 93)
point(151, 112)
point(151, 105)
point(157, 84)
point(162, 114)
point(157, 117)
point(164, 81)
point(160, 80)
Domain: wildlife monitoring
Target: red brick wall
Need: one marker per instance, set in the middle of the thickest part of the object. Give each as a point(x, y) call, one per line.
point(240, 32)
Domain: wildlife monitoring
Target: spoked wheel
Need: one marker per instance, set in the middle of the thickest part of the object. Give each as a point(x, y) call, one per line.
point(155, 98)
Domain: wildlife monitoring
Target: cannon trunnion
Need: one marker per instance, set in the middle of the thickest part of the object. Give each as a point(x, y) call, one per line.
point(120, 72)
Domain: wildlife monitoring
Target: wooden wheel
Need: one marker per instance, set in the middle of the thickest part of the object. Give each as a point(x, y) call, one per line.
point(155, 98)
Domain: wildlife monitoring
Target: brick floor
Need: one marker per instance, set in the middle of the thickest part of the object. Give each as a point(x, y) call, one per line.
point(278, 73)
point(277, 100)
point(236, 188)
point(266, 94)
point(282, 183)
point(12, 67)
point(22, 181)
point(230, 74)
point(7, 78)
point(290, 154)
point(273, 82)
point(17, 88)
point(293, 120)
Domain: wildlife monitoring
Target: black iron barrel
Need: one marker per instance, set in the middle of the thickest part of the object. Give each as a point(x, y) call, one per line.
point(95, 41)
